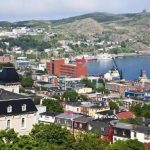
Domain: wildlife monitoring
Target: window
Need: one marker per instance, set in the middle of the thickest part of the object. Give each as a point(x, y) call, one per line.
point(24, 107)
point(75, 125)
point(8, 124)
point(9, 109)
point(123, 133)
point(102, 129)
point(115, 131)
point(46, 118)
point(134, 134)
point(80, 125)
point(58, 121)
point(147, 136)
point(23, 123)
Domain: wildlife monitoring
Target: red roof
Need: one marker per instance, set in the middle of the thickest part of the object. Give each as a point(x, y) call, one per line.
point(125, 115)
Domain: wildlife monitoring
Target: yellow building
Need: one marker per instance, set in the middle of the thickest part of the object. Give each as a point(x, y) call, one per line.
point(94, 109)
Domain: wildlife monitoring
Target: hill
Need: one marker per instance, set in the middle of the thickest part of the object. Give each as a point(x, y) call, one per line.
point(134, 28)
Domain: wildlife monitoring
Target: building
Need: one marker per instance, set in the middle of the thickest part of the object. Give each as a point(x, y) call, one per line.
point(66, 120)
point(48, 117)
point(73, 107)
point(6, 59)
point(124, 131)
point(125, 115)
point(40, 109)
point(66, 82)
point(117, 87)
point(17, 112)
point(9, 79)
point(91, 109)
point(58, 67)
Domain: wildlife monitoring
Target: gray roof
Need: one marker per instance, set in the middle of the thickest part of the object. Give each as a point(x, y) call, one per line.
point(68, 116)
point(124, 126)
point(7, 96)
point(142, 129)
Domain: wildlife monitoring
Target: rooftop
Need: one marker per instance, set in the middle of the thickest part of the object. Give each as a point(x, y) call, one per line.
point(50, 113)
point(68, 116)
point(9, 75)
point(125, 115)
point(123, 126)
point(7, 96)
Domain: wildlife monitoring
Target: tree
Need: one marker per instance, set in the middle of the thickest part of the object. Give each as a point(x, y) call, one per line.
point(70, 95)
point(90, 141)
point(53, 134)
point(127, 145)
point(87, 83)
point(27, 82)
point(123, 44)
point(52, 105)
point(113, 105)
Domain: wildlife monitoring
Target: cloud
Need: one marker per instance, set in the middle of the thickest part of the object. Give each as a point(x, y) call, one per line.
point(20, 9)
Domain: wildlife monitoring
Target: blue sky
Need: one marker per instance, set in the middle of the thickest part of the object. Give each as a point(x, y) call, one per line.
point(15, 10)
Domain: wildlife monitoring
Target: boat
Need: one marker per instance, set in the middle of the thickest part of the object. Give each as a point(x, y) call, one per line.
point(104, 56)
point(112, 74)
point(84, 58)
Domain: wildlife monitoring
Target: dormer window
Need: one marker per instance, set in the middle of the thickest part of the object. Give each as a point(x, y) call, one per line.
point(24, 107)
point(9, 109)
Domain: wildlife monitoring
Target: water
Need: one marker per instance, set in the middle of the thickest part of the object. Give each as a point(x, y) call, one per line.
point(130, 66)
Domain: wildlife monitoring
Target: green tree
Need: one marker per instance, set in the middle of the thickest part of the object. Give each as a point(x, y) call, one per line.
point(123, 44)
point(87, 82)
point(113, 105)
point(70, 95)
point(27, 82)
point(52, 105)
point(53, 134)
point(90, 141)
point(127, 145)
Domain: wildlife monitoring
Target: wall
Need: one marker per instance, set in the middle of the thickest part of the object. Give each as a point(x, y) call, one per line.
point(30, 120)
point(73, 108)
point(84, 90)
point(46, 119)
point(11, 88)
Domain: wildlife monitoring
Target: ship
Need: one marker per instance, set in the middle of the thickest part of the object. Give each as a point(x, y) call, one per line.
point(84, 58)
point(104, 56)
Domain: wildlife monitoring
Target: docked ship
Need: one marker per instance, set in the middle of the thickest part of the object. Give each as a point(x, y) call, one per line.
point(104, 56)
point(112, 74)
point(84, 58)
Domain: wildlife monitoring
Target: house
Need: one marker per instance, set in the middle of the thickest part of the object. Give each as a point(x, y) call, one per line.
point(125, 115)
point(40, 109)
point(124, 131)
point(81, 89)
point(9, 79)
point(97, 108)
point(81, 124)
point(73, 106)
point(105, 114)
point(48, 117)
point(103, 128)
point(66, 120)
point(128, 103)
point(91, 108)
point(17, 112)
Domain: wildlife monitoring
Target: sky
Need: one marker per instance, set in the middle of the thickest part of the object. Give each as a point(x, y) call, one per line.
point(18, 10)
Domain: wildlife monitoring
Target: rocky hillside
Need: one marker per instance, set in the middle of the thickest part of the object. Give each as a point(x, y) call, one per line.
point(134, 28)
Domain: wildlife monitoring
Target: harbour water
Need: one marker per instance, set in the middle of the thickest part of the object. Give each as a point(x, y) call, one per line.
point(130, 65)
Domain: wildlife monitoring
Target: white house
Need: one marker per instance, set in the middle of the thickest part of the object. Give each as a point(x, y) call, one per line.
point(17, 112)
point(48, 117)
